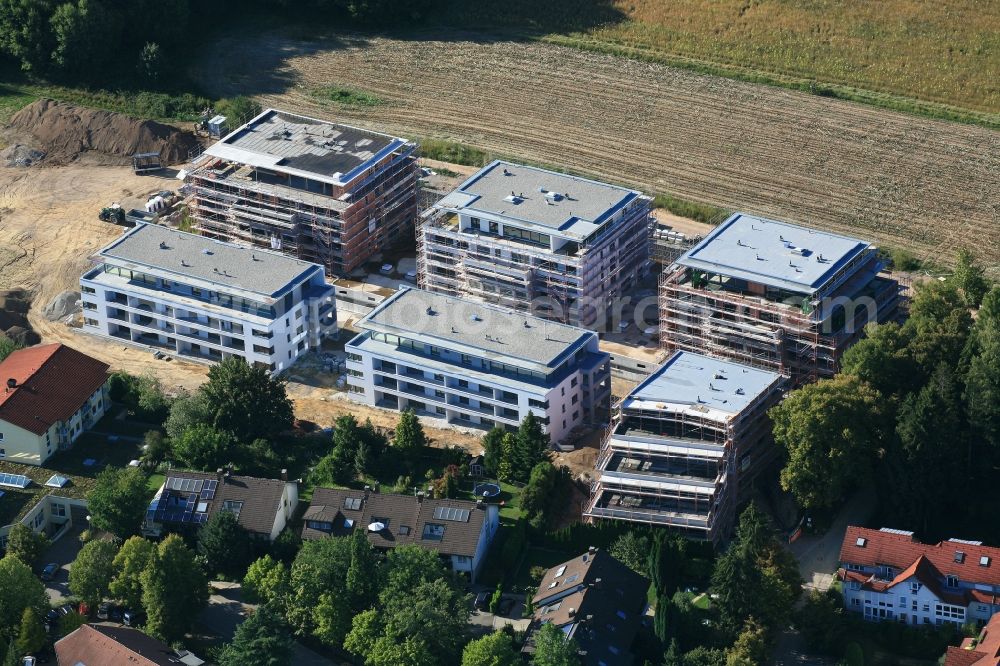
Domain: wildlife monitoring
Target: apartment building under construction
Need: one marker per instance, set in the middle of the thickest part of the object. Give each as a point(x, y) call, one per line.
point(685, 446)
point(558, 246)
point(319, 191)
point(774, 295)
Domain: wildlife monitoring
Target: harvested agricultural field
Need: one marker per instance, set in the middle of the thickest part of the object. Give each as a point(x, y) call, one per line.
point(942, 52)
point(903, 181)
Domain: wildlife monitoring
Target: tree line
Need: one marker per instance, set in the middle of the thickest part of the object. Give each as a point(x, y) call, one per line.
point(915, 413)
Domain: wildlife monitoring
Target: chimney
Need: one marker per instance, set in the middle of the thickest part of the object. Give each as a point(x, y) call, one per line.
point(420, 497)
point(591, 550)
point(368, 489)
point(11, 383)
point(572, 612)
point(218, 475)
point(597, 583)
point(225, 476)
point(375, 488)
point(284, 475)
point(479, 504)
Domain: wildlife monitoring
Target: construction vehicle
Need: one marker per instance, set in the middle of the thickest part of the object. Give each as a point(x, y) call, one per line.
point(114, 214)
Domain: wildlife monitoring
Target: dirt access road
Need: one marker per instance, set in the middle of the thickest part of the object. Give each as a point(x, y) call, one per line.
point(900, 180)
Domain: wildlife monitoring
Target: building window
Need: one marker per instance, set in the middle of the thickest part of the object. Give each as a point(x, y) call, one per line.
point(3, 453)
point(952, 581)
point(87, 305)
point(914, 587)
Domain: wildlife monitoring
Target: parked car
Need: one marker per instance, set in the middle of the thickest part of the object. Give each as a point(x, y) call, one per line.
point(386, 269)
point(103, 610)
point(132, 618)
point(49, 571)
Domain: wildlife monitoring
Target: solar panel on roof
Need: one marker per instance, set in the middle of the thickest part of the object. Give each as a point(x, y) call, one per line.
point(452, 513)
point(14, 480)
point(208, 492)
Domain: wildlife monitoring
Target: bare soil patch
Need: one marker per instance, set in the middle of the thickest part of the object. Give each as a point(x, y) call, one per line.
point(65, 131)
point(900, 180)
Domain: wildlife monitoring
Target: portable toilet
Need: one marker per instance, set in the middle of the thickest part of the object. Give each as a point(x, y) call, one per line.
point(217, 126)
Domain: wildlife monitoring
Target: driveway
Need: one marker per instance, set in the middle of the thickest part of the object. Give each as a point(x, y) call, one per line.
point(63, 552)
point(791, 651)
point(226, 610)
point(819, 555)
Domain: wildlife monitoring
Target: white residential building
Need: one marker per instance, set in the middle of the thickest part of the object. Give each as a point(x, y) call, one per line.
point(558, 246)
point(206, 299)
point(477, 365)
point(889, 575)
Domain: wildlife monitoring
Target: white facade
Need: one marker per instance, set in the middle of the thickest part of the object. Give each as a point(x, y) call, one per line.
point(473, 565)
point(416, 362)
point(887, 575)
point(178, 303)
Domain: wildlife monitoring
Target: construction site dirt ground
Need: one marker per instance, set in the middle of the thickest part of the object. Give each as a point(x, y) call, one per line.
point(48, 232)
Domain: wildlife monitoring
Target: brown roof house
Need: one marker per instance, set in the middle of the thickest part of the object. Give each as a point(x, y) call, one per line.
point(888, 574)
point(460, 531)
point(984, 650)
point(186, 500)
point(50, 395)
point(595, 600)
point(102, 645)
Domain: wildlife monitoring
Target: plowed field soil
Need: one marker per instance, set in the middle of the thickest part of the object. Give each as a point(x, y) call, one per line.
point(900, 180)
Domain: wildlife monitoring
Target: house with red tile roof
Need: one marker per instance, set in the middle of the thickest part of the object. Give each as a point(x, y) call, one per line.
point(104, 645)
point(984, 650)
point(889, 575)
point(49, 395)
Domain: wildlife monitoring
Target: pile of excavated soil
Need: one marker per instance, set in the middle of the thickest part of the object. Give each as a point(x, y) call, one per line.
point(65, 131)
point(14, 306)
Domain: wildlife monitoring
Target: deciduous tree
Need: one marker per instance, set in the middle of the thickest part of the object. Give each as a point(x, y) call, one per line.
point(554, 648)
point(132, 559)
point(246, 400)
point(206, 448)
point(26, 544)
point(495, 649)
point(266, 581)
point(20, 589)
point(117, 503)
point(831, 432)
point(92, 570)
point(175, 589)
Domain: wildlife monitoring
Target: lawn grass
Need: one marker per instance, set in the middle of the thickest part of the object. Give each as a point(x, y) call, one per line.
point(932, 59)
point(155, 481)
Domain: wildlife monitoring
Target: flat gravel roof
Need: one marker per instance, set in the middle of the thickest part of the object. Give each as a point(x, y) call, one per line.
point(692, 379)
point(189, 255)
point(562, 203)
point(773, 253)
point(431, 317)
